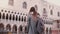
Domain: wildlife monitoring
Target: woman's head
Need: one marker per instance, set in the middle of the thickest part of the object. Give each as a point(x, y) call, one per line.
point(33, 11)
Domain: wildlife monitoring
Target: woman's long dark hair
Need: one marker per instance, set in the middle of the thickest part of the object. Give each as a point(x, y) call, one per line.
point(33, 10)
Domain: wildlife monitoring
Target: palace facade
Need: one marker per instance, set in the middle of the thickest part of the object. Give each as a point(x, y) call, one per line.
point(13, 15)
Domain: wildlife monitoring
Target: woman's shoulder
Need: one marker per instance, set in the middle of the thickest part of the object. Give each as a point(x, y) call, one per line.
point(40, 19)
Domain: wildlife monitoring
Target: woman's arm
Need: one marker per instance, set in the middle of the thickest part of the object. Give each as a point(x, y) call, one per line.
point(28, 23)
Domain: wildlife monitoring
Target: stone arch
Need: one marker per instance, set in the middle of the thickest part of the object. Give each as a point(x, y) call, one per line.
point(25, 29)
point(47, 30)
point(1, 27)
point(14, 28)
point(8, 27)
point(20, 28)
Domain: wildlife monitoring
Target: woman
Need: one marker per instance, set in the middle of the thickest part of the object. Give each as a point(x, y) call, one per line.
point(33, 24)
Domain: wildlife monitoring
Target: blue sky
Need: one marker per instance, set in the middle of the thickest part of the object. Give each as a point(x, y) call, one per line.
point(56, 2)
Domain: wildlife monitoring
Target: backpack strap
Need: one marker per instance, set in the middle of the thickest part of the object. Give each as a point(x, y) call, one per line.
point(36, 23)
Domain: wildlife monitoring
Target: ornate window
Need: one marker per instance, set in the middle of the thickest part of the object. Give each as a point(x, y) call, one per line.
point(16, 17)
point(12, 12)
point(2, 10)
point(8, 11)
point(51, 12)
point(3, 16)
point(58, 13)
point(44, 13)
point(10, 16)
point(36, 8)
point(13, 17)
point(5, 11)
point(11, 2)
point(6, 16)
point(24, 5)
point(44, 10)
point(22, 18)
point(19, 18)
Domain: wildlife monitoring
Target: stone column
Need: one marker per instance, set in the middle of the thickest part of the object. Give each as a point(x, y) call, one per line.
point(45, 31)
point(17, 30)
point(4, 27)
point(48, 30)
point(11, 29)
point(23, 30)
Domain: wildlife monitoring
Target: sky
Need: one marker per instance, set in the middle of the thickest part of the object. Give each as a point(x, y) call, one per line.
point(3, 2)
point(56, 2)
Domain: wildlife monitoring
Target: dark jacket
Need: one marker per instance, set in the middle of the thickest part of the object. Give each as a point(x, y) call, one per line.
point(34, 27)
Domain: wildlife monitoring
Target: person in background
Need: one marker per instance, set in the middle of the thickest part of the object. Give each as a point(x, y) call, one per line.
point(40, 26)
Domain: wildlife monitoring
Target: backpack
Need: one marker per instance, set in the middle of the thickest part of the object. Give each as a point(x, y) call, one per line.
point(41, 26)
